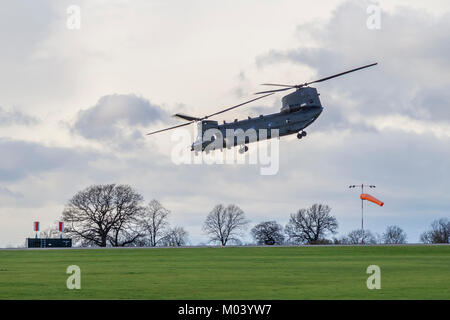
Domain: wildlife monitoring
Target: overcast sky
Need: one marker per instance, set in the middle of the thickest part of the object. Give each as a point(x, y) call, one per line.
point(75, 105)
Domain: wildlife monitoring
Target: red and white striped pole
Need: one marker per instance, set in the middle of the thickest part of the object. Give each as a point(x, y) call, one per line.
point(61, 228)
point(36, 227)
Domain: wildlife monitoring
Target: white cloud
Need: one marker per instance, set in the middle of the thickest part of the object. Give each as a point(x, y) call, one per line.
point(118, 119)
point(15, 117)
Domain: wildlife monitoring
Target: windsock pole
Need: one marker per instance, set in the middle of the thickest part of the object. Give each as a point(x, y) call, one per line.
point(362, 206)
point(362, 215)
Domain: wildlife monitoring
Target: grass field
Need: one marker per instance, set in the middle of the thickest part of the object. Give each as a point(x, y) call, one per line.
point(407, 272)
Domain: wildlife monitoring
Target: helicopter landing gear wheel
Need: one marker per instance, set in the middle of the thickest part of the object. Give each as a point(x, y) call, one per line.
point(301, 134)
point(243, 149)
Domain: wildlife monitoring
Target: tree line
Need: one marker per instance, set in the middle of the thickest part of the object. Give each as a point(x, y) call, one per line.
point(116, 215)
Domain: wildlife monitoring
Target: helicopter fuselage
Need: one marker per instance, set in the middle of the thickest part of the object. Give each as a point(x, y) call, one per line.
point(299, 109)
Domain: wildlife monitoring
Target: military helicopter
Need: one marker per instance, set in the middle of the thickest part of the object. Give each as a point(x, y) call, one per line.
point(299, 110)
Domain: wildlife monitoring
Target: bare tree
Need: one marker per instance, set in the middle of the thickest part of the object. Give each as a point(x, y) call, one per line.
point(101, 213)
point(154, 222)
point(394, 235)
point(175, 237)
point(311, 225)
point(439, 233)
point(127, 234)
point(268, 232)
point(224, 223)
point(356, 237)
point(50, 232)
point(126, 231)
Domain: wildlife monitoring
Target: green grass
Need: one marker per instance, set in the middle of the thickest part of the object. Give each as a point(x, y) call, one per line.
point(407, 272)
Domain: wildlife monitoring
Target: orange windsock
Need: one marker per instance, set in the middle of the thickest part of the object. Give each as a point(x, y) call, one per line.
point(365, 196)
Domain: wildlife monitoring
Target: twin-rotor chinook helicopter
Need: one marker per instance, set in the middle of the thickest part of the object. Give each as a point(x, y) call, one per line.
point(299, 109)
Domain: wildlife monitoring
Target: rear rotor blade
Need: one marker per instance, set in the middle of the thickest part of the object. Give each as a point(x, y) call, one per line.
point(337, 75)
point(174, 127)
point(275, 90)
point(186, 117)
point(308, 83)
point(278, 85)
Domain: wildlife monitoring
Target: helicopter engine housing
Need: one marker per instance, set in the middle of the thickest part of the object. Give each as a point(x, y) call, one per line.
point(303, 97)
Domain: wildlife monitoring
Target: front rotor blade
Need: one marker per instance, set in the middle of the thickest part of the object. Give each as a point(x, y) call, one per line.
point(206, 117)
point(174, 127)
point(275, 90)
point(236, 106)
point(338, 75)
